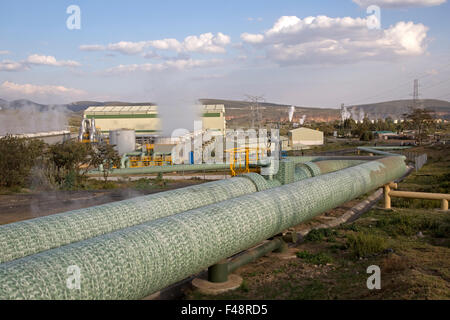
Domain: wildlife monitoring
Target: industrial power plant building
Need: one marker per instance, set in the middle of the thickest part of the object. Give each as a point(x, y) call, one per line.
point(143, 119)
point(214, 117)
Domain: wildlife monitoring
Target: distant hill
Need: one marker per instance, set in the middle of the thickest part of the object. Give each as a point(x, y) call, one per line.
point(74, 106)
point(18, 104)
point(395, 109)
point(237, 112)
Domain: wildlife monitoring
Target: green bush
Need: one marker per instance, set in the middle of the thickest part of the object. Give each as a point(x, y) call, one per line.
point(17, 158)
point(159, 180)
point(70, 180)
point(366, 136)
point(351, 227)
point(320, 234)
point(363, 245)
point(404, 225)
point(66, 159)
point(315, 258)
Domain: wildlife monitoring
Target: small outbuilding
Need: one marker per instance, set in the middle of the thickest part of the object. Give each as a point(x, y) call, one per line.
point(305, 137)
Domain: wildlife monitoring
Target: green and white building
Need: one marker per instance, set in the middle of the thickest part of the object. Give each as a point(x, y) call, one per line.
point(214, 117)
point(143, 119)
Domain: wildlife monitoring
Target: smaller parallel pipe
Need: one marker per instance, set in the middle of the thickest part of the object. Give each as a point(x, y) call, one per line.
point(378, 150)
point(420, 195)
point(303, 159)
point(219, 272)
point(255, 253)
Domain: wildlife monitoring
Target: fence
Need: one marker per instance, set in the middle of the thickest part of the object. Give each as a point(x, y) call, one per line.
point(419, 160)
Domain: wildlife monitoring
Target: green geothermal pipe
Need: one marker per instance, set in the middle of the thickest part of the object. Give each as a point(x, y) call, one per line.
point(31, 236)
point(135, 262)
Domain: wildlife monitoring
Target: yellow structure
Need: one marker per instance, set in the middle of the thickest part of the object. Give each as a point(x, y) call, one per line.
point(150, 161)
point(214, 117)
point(242, 158)
point(143, 119)
point(305, 137)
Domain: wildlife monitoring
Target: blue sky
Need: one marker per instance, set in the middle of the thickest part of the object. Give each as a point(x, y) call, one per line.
point(268, 48)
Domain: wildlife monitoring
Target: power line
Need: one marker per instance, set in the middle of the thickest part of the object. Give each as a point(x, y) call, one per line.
point(436, 84)
point(445, 95)
point(383, 92)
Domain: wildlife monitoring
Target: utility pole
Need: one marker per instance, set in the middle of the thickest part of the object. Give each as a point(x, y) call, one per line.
point(255, 110)
point(416, 93)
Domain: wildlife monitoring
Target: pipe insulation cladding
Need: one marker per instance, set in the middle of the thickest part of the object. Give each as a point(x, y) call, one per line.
point(24, 238)
point(137, 261)
point(35, 235)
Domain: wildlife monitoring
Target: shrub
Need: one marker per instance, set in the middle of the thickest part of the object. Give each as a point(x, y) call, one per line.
point(321, 234)
point(404, 225)
point(67, 159)
point(363, 245)
point(315, 258)
point(17, 158)
point(159, 180)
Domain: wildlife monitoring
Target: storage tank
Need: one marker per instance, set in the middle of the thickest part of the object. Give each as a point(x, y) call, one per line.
point(123, 139)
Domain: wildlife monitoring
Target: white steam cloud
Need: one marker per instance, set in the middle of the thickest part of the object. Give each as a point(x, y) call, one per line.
point(29, 118)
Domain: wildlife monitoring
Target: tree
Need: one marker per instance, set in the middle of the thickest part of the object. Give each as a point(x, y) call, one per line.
point(71, 160)
point(349, 126)
point(366, 136)
point(105, 156)
point(17, 157)
point(421, 121)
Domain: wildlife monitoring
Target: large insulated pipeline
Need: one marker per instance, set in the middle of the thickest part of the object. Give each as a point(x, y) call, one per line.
point(31, 236)
point(134, 262)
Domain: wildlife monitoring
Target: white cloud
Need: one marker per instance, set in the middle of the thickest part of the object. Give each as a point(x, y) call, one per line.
point(166, 44)
point(4, 52)
point(406, 38)
point(399, 3)
point(11, 66)
point(204, 43)
point(37, 59)
point(252, 38)
point(12, 89)
point(326, 40)
point(255, 19)
point(176, 64)
point(128, 47)
point(92, 47)
point(207, 43)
